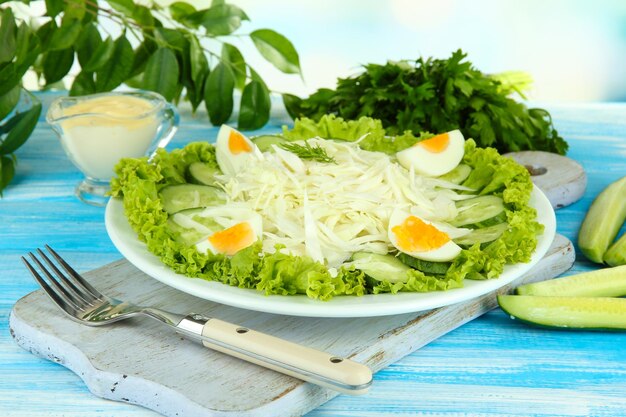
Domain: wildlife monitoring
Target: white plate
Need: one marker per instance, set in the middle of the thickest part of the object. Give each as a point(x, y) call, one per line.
point(126, 241)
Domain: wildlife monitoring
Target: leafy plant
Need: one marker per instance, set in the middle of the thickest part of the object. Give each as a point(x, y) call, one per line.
point(438, 95)
point(180, 52)
point(19, 111)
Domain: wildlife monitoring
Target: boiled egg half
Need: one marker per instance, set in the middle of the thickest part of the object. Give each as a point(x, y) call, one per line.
point(237, 235)
point(234, 151)
point(435, 156)
point(420, 239)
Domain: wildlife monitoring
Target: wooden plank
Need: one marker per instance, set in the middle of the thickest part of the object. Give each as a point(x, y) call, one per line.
point(142, 362)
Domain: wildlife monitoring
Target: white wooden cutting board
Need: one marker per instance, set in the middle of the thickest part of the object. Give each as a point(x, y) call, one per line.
point(143, 362)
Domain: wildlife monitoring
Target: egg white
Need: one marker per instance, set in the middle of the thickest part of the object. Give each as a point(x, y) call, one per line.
point(434, 164)
point(229, 219)
point(445, 252)
point(231, 163)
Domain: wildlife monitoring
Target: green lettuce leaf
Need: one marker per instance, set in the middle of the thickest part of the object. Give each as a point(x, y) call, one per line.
point(370, 131)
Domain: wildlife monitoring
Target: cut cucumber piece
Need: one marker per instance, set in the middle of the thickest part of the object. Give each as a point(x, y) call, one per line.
point(428, 267)
point(175, 198)
point(603, 220)
point(183, 235)
point(202, 173)
point(458, 174)
point(193, 228)
point(567, 312)
point(479, 212)
point(616, 255)
point(607, 282)
point(483, 235)
point(381, 267)
point(499, 219)
point(265, 142)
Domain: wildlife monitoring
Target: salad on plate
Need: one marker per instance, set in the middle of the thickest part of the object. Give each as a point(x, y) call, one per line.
point(332, 208)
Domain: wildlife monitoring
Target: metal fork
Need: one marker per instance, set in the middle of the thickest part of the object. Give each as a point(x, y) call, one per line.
point(85, 304)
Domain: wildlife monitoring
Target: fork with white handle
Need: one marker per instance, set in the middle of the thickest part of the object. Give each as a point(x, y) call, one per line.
point(83, 303)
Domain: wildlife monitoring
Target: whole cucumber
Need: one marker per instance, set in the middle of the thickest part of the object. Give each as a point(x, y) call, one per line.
point(616, 255)
point(603, 220)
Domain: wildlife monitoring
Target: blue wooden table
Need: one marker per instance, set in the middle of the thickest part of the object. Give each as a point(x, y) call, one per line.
point(490, 366)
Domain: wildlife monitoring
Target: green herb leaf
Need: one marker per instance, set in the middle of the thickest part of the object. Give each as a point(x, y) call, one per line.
point(180, 10)
point(233, 57)
point(199, 63)
point(83, 84)
point(308, 151)
point(293, 105)
point(21, 131)
point(171, 38)
point(7, 34)
point(254, 111)
point(118, 68)
point(161, 74)
point(219, 20)
point(143, 52)
point(27, 51)
point(7, 171)
point(126, 7)
point(75, 10)
point(56, 64)
point(218, 94)
point(9, 100)
point(277, 49)
point(88, 41)
point(8, 78)
point(44, 33)
point(66, 35)
point(54, 7)
point(143, 16)
point(100, 56)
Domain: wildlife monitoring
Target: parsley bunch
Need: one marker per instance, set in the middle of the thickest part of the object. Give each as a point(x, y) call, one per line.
point(437, 95)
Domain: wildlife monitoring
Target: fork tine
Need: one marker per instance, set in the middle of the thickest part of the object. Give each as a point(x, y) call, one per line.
point(78, 292)
point(79, 280)
point(65, 306)
point(77, 303)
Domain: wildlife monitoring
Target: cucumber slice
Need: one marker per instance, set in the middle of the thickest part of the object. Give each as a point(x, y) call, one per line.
point(183, 235)
point(607, 282)
point(499, 219)
point(175, 198)
point(458, 174)
point(567, 312)
point(188, 234)
point(616, 255)
point(603, 220)
point(201, 173)
point(480, 211)
point(265, 142)
point(434, 268)
point(483, 235)
point(381, 267)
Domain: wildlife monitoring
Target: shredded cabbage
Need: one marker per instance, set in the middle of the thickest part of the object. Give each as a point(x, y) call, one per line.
point(329, 211)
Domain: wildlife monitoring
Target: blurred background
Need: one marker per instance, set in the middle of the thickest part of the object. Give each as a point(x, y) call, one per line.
point(575, 50)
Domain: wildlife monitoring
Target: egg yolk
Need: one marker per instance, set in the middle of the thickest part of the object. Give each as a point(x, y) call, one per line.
point(232, 240)
point(436, 144)
point(414, 235)
point(237, 143)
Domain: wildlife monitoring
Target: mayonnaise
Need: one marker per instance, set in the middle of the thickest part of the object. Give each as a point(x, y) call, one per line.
point(98, 132)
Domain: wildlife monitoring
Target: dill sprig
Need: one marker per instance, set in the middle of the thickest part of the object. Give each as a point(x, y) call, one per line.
point(308, 151)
